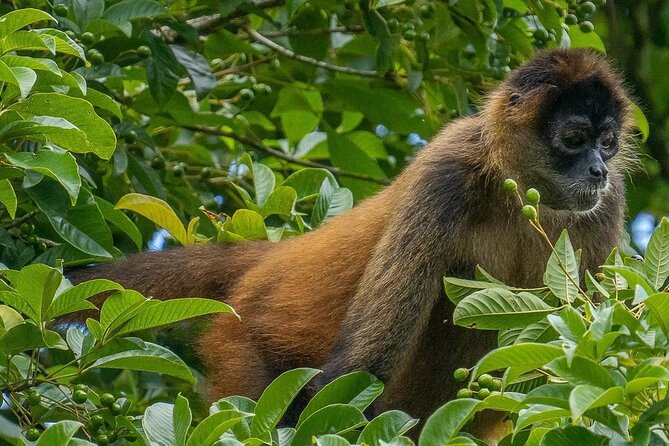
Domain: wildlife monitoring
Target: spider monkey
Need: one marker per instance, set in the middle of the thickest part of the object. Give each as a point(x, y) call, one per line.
point(364, 291)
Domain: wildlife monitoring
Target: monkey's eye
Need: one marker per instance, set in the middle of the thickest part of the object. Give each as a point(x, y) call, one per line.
point(607, 140)
point(574, 140)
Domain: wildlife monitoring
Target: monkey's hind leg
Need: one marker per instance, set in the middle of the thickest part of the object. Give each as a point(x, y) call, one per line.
point(234, 363)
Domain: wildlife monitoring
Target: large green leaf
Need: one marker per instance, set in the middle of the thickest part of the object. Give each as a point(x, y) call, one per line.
point(151, 358)
point(8, 197)
point(15, 20)
point(59, 433)
point(156, 210)
point(498, 308)
point(519, 358)
point(276, 398)
point(332, 419)
point(562, 270)
point(77, 111)
point(656, 264)
point(386, 427)
point(447, 421)
point(586, 397)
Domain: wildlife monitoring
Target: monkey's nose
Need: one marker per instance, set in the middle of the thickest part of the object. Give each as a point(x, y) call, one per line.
point(599, 172)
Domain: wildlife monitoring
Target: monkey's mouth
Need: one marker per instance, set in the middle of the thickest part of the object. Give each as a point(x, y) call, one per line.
point(588, 196)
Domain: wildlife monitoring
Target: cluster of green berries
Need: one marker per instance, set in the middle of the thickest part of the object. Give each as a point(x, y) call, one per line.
point(579, 12)
point(481, 388)
point(27, 230)
point(532, 195)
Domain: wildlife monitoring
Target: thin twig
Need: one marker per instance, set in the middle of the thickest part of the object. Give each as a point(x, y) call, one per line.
point(311, 61)
point(315, 31)
point(286, 157)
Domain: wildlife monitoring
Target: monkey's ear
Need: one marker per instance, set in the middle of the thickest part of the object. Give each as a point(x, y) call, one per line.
point(514, 99)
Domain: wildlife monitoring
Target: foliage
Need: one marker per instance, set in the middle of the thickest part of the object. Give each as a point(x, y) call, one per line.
point(576, 365)
point(242, 120)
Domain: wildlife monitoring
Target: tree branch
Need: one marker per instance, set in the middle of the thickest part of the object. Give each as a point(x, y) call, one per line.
point(286, 157)
point(293, 55)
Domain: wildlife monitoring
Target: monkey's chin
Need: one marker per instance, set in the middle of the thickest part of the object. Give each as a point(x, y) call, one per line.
point(587, 199)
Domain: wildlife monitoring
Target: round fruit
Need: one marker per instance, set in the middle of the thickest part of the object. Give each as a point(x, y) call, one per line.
point(32, 240)
point(461, 374)
point(130, 136)
point(571, 19)
point(541, 35)
point(424, 36)
point(510, 185)
point(158, 163)
point(33, 434)
point(262, 89)
point(95, 57)
point(393, 25)
point(587, 7)
point(117, 408)
point(143, 51)
point(484, 393)
point(533, 196)
point(97, 420)
point(87, 38)
point(485, 381)
point(177, 171)
point(34, 398)
point(79, 396)
point(246, 94)
point(83, 387)
point(131, 437)
point(206, 173)
point(27, 228)
point(107, 399)
point(496, 384)
point(464, 393)
point(529, 212)
point(71, 34)
point(407, 26)
point(587, 27)
point(60, 10)
point(113, 436)
point(102, 440)
point(409, 34)
point(426, 11)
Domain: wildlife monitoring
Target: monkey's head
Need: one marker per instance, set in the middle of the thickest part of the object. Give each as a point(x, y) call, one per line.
point(565, 121)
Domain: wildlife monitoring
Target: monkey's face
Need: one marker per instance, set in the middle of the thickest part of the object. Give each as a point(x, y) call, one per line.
point(582, 132)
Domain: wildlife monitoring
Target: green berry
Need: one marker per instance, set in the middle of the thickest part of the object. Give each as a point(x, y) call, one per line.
point(97, 420)
point(60, 10)
point(71, 34)
point(262, 89)
point(409, 34)
point(113, 436)
point(541, 35)
point(510, 185)
point(496, 385)
point(130, 436)
point(407, 26)
point(32, 240)
point(529, 212)
point(485, 381)
point(87, 38)
point(464, 393)
point(79, 396)
point(117, 408)
point(143, 51)
point(426, 11)
point(102, 440)
point(586, 27)
point(177, 171)
point(130, 136)
point(484, 393)
point(587, 7)
point(82, 387)
point(41, 247)
point(393, 25)
point(107, 399)
point(600, 276)
point(158, 163)
point(533, 196)
point(571, 19)
point(27, 228)
point(461, 374)
point(33, 397)
point(95, 56)
point(424, 36)
point(206, 173)
point(33, 434)
point(246, 94)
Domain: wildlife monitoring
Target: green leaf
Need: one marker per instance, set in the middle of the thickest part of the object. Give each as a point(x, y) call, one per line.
point(581, 371)
point(280, 202)
point(447, 421)
point(128, 10)
point(307, 182)
point(249, 224)
point(120, 220)
point(60, 166)
point(358, 389)
point(77, 111)
point(386, 427)
point(572, 435)
point(15, 20)
point(331, 201)
point(27, 336)
point(151, 358)
point(658, 304)
point(21, 77)
point(498, 308)
point(8, 197)
point(173, 310)
point(656, 263)
point(569, 323)
point(276, 398)
point(332, 419)
point(76, 297)
point(59, 433)
point(640, 121)
point(86, 11)
point(519, 358)
point(156, 210)
point(579, 39)
point(208, 431)
point(346, 155)
point(585, 397)
point(562, 270)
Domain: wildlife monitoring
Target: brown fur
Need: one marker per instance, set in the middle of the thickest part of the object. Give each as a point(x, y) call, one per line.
point(364, 290)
